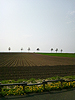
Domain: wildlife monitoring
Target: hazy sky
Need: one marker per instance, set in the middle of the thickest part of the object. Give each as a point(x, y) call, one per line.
point(37, 23)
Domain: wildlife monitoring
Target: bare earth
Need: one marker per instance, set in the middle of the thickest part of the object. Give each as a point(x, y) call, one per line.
point(31, 65)
point(30, 59)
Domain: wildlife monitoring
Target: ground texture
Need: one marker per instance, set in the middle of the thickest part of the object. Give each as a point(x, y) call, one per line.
point(31, 65)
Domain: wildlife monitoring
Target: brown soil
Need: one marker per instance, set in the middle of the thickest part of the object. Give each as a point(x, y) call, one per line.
point(30, 65)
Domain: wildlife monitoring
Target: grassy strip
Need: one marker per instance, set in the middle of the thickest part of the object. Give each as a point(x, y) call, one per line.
point(60, 54)
point(32, 80)
point(18, 90)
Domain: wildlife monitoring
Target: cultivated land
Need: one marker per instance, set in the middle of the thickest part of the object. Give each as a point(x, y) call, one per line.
point(31, 65)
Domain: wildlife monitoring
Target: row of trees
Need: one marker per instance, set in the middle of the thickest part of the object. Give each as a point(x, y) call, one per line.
point(22, 49)
point(29, 49)
point(56, 50)
point(38, 49)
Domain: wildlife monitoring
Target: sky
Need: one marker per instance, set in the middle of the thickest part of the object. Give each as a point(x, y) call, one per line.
point(43, 24)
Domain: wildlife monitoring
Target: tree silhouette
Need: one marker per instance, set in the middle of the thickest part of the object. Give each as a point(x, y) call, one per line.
point(61, 50)
point(38, 49)
point(51, 49)
point(9, 48)
point(28, 48)
point(21, 49)
point(56, 49)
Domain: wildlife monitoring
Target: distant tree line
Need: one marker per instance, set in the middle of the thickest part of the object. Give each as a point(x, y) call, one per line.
point(38, 49)
point(56, 50)
point(22, 49)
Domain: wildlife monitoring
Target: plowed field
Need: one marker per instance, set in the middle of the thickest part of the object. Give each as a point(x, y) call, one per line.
point(31, 65)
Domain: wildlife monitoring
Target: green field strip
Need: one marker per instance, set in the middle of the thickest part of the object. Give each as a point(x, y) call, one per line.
point(60, 54)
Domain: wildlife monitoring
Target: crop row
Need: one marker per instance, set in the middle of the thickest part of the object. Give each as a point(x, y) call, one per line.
point(16, 60)
point(22, 72)
point(28, 59)
point(30, 65)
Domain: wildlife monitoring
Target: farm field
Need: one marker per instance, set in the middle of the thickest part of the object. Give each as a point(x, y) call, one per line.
point(31, 65)
point(60, 54)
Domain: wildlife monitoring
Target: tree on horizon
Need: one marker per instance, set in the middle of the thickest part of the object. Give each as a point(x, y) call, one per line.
point(61, 50)
point(21, 49)
point(9, 48)
point(51, 49)
point(28, 48)
point(38, 49)
point(56, 50)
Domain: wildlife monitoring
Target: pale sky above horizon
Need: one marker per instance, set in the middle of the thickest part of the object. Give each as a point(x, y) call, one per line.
point(37, 23)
